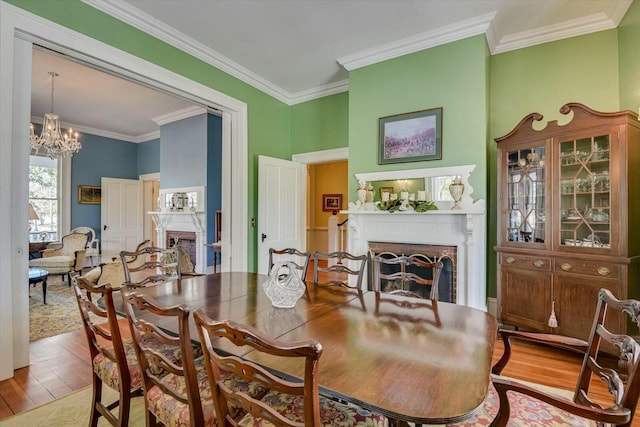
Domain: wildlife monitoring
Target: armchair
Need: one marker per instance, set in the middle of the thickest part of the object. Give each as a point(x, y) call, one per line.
point(66, 259)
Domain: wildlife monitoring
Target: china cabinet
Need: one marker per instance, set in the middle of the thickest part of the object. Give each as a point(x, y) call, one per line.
point(568, 218)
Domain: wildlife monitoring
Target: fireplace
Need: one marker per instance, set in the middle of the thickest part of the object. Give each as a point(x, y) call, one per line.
point(462, 230)
point(434, 253)
point(188, 226)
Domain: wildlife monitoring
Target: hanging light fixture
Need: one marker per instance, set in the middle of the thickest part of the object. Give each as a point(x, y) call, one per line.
point(51, 140)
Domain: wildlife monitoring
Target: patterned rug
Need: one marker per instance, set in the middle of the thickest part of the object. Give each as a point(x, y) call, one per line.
point(72, 410)
point(58, 316)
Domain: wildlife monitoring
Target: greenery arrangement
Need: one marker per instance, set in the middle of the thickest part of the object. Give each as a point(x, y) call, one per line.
point(418, 206)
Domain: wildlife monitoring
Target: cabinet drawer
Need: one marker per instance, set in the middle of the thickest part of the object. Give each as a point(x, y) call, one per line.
point(591, 268)
point(526, 261)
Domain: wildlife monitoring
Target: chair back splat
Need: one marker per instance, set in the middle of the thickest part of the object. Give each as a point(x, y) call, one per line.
point(300, 259)
point(172, 391)
point(338, 267)
point(287, 403)
point(159, 265)
point(415, 276)
point(620, 374)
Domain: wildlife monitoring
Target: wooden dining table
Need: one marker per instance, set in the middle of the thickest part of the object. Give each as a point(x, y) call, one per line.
point(412, 360)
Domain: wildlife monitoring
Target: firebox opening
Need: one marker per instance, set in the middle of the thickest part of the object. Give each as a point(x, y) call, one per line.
point(444, 254)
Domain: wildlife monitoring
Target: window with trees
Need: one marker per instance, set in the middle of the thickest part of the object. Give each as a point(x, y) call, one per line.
point(44, 197)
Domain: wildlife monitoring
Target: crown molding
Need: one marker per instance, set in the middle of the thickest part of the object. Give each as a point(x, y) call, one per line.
point(447, 34)
point(575, 27)
point(160, 30)
point(319, 92)
point(484, 24)
point(104, 133)
point(182, 114)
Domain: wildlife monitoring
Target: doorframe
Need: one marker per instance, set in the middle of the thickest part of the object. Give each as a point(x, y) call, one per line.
point(19, 29)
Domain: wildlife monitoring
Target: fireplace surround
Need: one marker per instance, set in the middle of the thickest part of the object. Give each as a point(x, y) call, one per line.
point(464, 229)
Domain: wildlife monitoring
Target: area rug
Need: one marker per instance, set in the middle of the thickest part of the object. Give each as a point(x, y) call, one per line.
point(72, 410)
point(58, 316)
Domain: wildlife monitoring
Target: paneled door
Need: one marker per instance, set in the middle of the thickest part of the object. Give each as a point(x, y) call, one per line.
point(121, 216)
point(281, 207)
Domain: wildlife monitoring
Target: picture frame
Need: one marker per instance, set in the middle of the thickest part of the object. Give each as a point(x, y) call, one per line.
point(410, 137)
point(89, 195)
point(331, 202)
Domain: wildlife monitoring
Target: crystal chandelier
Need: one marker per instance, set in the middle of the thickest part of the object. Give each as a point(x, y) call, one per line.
point(51, 140)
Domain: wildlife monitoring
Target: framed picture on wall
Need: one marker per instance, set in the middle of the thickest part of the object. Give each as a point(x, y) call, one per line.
point(331, 202)
point(410, 137)
point(89, 195)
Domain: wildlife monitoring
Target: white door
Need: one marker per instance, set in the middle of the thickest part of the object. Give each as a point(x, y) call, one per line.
point(121, 216)
point(281, 207)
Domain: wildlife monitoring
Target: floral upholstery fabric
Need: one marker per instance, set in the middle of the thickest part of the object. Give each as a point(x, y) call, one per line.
point(107, 369)
point(525, 412)
point(331, 413)
point(172, 413)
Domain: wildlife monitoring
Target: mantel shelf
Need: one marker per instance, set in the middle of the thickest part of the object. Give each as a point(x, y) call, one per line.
point(429, 213)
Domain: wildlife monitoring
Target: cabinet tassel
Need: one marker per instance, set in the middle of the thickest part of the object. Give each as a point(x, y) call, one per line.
point(553, 322)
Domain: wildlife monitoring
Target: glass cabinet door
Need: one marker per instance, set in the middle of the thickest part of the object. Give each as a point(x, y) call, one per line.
point(585, 199)
point(526, 210)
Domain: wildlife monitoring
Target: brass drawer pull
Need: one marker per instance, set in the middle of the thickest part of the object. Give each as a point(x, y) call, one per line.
point(509, 260)
point(604, 271)
point(538, 263)
point(566, 266)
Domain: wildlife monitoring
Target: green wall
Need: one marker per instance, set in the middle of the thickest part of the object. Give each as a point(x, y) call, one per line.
point(269, 120)
point(629, 53)
point(320, 124)
point(453, 76)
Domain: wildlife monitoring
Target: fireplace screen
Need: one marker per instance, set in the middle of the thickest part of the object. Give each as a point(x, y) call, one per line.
point(432, 253)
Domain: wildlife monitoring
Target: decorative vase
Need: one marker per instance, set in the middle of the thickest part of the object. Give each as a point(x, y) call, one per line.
point(361, 192)
point(456, 188)
point(284, 289)
point(370, 193)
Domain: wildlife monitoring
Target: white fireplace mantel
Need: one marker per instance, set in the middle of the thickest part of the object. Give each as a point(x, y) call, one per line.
point(463, 229)
point(195, 222)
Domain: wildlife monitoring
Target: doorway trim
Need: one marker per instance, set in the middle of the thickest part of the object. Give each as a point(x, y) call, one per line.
point(17, 26)
point(323, 156)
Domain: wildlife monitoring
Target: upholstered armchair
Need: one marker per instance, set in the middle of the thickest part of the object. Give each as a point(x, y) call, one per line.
point(66, 259)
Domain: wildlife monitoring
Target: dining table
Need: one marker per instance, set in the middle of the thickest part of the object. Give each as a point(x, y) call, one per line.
point(413, 360)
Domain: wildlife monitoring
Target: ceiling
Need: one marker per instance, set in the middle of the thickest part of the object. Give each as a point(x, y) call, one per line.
point(294, 50)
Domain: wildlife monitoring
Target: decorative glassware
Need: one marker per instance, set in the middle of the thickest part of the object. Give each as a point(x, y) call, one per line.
point(284, 289)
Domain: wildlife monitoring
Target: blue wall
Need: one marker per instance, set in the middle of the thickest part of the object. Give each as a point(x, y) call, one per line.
point(214, 177)
point(149, 157)
point(98, 157)
point(183, 153)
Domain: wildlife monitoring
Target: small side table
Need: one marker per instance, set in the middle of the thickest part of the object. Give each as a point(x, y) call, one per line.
point(217, 249)
point(38, 275)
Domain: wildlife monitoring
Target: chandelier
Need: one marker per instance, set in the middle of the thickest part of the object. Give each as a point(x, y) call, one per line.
point(51, 140)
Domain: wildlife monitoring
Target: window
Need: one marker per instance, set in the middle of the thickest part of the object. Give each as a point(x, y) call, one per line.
point(44, 196)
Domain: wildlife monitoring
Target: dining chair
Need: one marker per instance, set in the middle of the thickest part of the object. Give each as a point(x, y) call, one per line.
point(114, 361)
point(112, 272)
point(339, 268)
point(287, 403)
point(415, 276)
point(515, 403)
point(159, 265)
point(176, 393)
point(300, 259)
